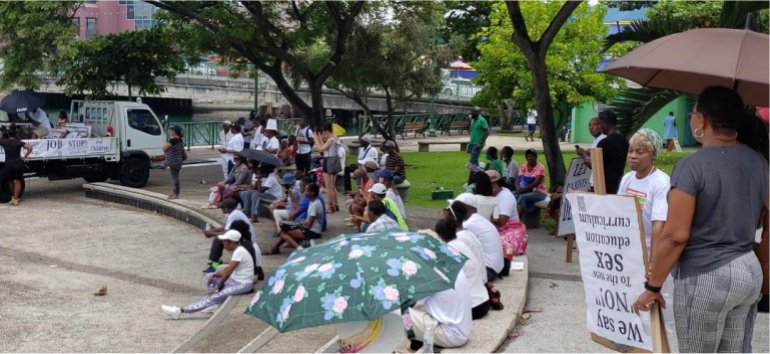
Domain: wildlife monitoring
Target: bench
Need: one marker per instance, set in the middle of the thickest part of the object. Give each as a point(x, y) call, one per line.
point(424, 145)
point(460, 125)
point(532, 220)
point(414, 127)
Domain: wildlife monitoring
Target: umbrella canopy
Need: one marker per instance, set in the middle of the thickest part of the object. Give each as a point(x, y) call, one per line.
point(20, 102)
point(460, 65)
point(693, 60)
point(764, 114)
point(261, 156)
point(358, 277)
point(338, 130)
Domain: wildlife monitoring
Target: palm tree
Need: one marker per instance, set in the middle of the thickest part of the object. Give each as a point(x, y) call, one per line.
point(635, 106)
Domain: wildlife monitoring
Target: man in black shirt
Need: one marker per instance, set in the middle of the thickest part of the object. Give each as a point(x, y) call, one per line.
point(614, 151)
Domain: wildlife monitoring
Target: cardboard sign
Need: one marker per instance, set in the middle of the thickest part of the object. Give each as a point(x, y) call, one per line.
point(58, 148)
point(612, 264)
point(578, 180)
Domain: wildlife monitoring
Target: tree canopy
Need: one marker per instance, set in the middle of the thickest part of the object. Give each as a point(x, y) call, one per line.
point(135, 58)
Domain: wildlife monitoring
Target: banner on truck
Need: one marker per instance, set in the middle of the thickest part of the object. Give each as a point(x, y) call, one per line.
point(64, 148)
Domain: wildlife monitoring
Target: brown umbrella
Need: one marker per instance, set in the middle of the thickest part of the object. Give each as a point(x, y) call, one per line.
point(693, 60)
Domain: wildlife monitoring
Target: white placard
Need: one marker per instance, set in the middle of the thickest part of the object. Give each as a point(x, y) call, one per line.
point(578, 179)
point(56, 148)
point(609, 237)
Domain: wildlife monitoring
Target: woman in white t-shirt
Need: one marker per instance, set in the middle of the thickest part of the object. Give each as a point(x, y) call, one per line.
point(650, 186)
point(234, 278)
point(448, 231)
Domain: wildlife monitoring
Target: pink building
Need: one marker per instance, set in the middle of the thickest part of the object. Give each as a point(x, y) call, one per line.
point(106, 17)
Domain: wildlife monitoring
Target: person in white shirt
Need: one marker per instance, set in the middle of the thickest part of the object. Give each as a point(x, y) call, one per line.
point(473, 268)
point(304, 146)
point(267, 187)
point(258, 135)
point(270, 142)
point(447, 312)
point(386, 178)
point(234, 146)
point(486, 232)
point(235, 278)
point(531, 124)
point(505, 214)
point(365, 152)
point(229, 207)
point(650, 186)
point(41, 122)
point(595, 128)
point(224, 137)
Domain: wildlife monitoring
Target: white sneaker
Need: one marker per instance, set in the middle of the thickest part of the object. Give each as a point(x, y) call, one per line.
point(210, 309)
point(171, 311)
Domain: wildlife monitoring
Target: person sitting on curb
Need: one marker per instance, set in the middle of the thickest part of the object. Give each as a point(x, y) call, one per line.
point(382, 221)
point(387, 178)
point(447, 313)
point(507, 217)
point(285, 207)
point(236, 278)
point(487, 234)
point(356, 203)
point(458, 212)
point(377, 192)
point(447, 229)
point(266, 187)
point(230, 209)
point(511, 171)
point(310, 229)
point(493, 163)
point(365, 153)
point(531, 187)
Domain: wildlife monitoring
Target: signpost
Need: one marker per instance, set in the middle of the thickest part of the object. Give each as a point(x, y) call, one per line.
point(613, 264)
point(578, 180)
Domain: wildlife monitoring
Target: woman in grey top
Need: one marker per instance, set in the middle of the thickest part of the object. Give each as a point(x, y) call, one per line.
point(714, 205)
point(174, 150)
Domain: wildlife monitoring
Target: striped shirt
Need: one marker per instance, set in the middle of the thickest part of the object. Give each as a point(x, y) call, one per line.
point(396, 160)
point(174, 155)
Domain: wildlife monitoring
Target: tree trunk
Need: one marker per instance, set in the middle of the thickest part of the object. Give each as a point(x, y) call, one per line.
point(390, 126)
point(554, 159)
point(317, 109)
point(505, 116)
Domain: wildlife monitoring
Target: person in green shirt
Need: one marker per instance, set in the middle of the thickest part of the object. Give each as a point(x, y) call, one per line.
point(479, 134)
point(493, 163)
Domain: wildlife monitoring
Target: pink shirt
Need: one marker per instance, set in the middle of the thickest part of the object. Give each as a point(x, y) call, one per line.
point(527, 176)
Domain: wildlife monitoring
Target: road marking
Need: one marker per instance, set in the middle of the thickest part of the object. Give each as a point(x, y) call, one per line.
point(41, 259)
point(556, 276)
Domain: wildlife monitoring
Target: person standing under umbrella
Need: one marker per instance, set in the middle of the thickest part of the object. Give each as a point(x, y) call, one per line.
point(715, 202)
point(41, 123)
point(175, 155)
point(14, 163)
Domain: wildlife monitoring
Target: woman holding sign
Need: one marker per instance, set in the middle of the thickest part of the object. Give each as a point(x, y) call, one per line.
point(714, 206)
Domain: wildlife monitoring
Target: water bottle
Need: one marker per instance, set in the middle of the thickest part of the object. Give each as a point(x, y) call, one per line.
point(508, 251)
point(427, 339)
point(208, 227)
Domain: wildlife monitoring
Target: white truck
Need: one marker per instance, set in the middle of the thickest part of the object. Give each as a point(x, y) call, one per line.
point(119, 140)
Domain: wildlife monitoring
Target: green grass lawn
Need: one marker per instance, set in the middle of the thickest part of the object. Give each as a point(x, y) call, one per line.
point(427, 171)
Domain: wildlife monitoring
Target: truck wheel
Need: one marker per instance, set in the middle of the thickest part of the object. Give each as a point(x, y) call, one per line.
point(135, 173)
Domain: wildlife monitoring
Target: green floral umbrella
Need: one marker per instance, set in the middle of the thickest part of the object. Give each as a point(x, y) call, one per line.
point(358, 277)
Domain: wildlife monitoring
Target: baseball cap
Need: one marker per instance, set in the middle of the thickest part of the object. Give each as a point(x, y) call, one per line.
point(370, 165)
point(230, 235)
point(467, 199)
point(287, 179)
point(494, 176)
point(176, 129)
point(386, 174)
point(226, 122)
point(389, 143)
point(378, 188)
point(365, 138)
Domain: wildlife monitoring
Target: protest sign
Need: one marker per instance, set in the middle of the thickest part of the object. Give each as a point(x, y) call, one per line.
point(578, 179)
point(612, 264)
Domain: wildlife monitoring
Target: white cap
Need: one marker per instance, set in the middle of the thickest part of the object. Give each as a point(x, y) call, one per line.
point(272, 124)
point(230, 235)
point(378, 188)
point(467, 199)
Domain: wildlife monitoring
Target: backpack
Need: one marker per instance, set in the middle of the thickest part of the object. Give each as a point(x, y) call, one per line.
point(514, 238)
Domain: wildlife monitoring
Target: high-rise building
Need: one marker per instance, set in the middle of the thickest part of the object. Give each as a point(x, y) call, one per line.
point(106, 17)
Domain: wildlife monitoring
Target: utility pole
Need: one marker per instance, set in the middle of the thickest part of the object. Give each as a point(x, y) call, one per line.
point(256, 89)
